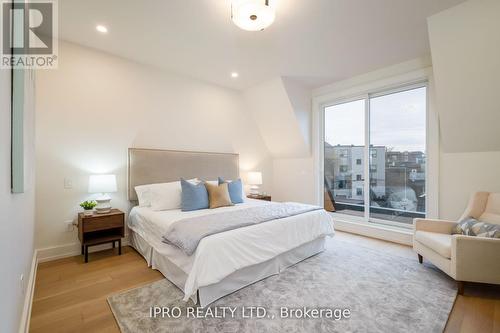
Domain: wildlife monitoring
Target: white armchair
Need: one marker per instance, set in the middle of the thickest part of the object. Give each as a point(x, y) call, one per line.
point(464, 258)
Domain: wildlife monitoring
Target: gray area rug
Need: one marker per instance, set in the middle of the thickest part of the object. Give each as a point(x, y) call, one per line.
point(384, 293)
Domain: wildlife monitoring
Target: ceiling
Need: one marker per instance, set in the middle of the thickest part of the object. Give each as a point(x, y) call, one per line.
point(314, 41)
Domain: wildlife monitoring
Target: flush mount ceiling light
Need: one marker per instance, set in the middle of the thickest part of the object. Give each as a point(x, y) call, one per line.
point(253, 15)
point(234, 75)
point(101, 29)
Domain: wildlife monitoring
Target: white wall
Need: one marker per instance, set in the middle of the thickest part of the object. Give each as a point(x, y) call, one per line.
point(465, 47)
point(464, 173)
point(17, 218)
point(300, 100)
point(280, 124)
point(95, 106)
point(281, 108)
point(293, 180)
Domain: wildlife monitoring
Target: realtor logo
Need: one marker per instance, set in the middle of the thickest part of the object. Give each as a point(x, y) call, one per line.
point(29, 34)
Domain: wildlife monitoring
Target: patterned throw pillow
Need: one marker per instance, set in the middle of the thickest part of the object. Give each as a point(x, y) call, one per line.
point(473, 227)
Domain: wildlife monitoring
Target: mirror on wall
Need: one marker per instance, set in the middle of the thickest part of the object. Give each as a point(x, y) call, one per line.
point(17, 114)
point(17, 131)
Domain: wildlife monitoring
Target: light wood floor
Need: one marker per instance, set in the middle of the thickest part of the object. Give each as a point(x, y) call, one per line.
point(70, 296)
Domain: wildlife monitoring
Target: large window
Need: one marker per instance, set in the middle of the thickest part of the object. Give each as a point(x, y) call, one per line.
point(379, 138)
point(344, 147)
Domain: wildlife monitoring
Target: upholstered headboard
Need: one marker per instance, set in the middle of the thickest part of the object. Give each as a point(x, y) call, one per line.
point(150, 166)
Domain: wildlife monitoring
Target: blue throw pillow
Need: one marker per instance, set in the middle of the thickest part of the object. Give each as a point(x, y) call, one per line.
point(193, 196)
point(235, 190)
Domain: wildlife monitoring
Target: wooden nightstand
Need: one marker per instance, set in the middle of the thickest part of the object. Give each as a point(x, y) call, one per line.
point(100, 229)
point(259, 197)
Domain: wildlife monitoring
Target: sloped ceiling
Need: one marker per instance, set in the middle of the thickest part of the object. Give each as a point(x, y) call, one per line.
point(281, 109)
point(465, 48)
point(316, 41)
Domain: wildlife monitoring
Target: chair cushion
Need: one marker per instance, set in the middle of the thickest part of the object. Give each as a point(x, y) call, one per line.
point(440, 243)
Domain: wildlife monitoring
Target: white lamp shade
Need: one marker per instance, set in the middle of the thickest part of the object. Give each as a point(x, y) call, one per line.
point(253, 15)
point(255, 178)
point(102, 184)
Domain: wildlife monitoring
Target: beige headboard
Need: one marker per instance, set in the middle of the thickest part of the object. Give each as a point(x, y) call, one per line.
point(150, 166)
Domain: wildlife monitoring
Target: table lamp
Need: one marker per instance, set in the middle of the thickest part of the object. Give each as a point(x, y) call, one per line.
point(254, 179)
point(103, 184)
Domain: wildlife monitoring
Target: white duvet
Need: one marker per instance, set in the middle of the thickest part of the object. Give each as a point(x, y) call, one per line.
point(217, 256)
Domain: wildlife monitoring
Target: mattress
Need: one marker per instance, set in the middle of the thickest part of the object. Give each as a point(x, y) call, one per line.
point(219, 255)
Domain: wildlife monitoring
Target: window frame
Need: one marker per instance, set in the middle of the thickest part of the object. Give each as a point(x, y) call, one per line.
point(366, 96)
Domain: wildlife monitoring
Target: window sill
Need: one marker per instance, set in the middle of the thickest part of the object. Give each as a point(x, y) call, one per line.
point(356, 225)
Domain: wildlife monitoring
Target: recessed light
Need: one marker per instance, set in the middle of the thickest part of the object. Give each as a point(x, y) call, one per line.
point(234, 75)
point(102, 29)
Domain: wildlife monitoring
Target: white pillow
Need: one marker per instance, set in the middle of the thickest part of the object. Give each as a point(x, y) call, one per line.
point(143, 195)
point(167, 196)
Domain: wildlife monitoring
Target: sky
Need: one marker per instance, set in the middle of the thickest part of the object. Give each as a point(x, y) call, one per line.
point(396, 120)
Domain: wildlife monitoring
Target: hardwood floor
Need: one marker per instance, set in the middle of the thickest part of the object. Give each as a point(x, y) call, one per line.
point(70, 296)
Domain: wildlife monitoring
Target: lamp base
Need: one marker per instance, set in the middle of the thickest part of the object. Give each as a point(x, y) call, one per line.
point(254, 190)
point(103, 205)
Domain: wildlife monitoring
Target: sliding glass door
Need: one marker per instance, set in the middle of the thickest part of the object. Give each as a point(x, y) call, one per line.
point(397, 155)
point(375, 156)
point(343, 157)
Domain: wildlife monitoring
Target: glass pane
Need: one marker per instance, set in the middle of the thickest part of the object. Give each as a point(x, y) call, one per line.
point(344, 147)
point(17, 132)
point(397, 155)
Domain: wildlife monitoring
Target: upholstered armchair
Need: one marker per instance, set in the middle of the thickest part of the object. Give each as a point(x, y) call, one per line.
point(464, 258)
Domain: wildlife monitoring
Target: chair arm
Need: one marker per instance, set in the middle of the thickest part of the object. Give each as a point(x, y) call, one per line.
point(439, 226)
point(476, 259)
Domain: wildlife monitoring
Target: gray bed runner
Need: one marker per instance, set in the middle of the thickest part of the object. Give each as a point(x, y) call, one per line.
point(187, 233)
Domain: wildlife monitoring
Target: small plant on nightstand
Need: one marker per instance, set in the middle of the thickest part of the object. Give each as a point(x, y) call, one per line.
point(88, 207)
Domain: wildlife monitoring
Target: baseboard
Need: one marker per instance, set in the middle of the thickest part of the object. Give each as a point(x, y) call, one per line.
point(28, 298)
point(390, 234)
point(70, 250)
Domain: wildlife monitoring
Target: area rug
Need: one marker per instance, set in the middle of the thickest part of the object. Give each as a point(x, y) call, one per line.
point(346, 288)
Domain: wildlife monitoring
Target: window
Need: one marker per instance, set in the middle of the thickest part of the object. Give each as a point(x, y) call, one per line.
point(394, 139)
point(344, 139)
point(397, 122)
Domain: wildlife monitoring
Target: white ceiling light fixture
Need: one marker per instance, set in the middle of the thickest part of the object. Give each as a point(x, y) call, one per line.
point(234, 75)
point(253, 15)
point(101, 29)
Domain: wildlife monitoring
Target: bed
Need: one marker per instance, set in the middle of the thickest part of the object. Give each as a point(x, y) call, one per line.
point(226, 261)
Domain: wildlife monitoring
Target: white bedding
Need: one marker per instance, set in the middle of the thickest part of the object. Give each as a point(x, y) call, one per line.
point(219, 255)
